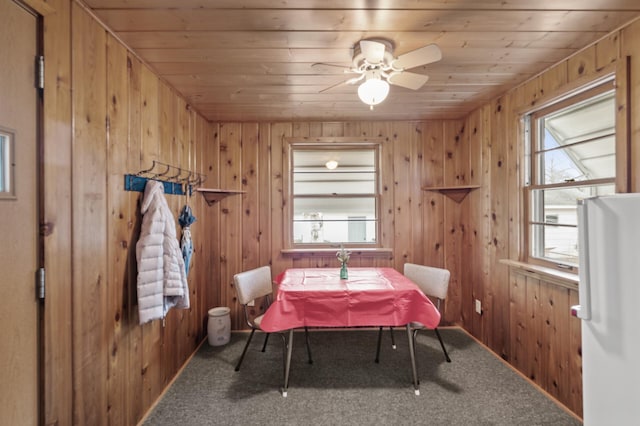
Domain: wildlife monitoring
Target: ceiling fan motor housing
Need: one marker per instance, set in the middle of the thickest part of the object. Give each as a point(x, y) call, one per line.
point(373, 54)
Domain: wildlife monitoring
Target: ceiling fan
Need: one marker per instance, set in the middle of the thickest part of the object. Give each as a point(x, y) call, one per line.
point(374, 63)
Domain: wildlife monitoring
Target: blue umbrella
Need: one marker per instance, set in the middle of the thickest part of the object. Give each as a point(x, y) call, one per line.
point(185, 219)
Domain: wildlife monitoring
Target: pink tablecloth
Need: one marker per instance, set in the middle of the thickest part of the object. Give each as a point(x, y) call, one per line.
point(317, 297)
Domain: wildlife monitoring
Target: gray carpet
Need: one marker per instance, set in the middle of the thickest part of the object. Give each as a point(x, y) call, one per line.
point(345, 387)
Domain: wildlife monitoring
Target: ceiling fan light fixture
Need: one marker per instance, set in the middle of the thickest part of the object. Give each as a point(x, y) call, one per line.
point(374, 90)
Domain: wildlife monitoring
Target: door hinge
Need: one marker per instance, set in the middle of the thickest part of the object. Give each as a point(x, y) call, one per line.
point(40, 72)
point(41, 284)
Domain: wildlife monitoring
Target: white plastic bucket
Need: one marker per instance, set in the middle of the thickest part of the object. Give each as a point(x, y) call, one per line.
point(219, 326)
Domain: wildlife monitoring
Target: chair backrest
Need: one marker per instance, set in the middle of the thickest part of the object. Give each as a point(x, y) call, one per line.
point(432, 281)
point(253, 284)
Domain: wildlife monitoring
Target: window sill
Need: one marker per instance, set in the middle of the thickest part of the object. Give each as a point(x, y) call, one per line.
point(310, 251)
point(550, 275)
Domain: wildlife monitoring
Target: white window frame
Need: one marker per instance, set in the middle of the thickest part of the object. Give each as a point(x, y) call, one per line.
point(532, 180)
point(330, 144)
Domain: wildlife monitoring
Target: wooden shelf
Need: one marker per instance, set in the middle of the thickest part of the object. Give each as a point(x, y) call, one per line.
point(456, 193)
point(213, 195)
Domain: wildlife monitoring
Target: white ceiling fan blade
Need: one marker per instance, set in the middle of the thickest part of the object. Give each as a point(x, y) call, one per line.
point(424, 55)
point(354, 80)
point(349, 81)
point(333, 85)
point(373, 51)
point(321, 65)
point(410, 80)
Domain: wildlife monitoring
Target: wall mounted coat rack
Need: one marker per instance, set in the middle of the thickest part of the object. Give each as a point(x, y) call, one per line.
point(176, 180)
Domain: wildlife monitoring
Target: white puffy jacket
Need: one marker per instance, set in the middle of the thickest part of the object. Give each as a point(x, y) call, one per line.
point(162, 282)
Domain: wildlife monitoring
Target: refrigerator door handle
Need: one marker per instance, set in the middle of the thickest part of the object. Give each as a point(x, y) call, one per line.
point(583, 310)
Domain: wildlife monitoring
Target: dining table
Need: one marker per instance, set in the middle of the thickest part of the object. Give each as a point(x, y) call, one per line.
point(369, 297)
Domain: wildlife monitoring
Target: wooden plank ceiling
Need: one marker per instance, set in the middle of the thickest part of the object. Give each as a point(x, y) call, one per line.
point(251, 60)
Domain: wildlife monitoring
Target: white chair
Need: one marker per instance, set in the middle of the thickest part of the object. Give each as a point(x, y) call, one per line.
point(251, 285)
point(433, 282)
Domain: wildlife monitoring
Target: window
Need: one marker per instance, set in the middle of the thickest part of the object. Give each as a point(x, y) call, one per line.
point(7, 185)
point(570, 154)
point(334, 193)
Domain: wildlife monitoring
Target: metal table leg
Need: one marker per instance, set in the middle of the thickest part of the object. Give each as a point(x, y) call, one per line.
point(287, 365)
point(416, 386)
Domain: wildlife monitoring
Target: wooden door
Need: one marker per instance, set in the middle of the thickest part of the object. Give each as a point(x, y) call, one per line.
point(19, 237)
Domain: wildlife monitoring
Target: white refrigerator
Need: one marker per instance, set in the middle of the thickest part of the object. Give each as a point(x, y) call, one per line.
point(609, 297)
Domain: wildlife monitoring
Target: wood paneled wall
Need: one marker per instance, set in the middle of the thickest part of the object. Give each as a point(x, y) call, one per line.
point(419, 226)
point(525, 319)
point(106, 114)
point(57, 217)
